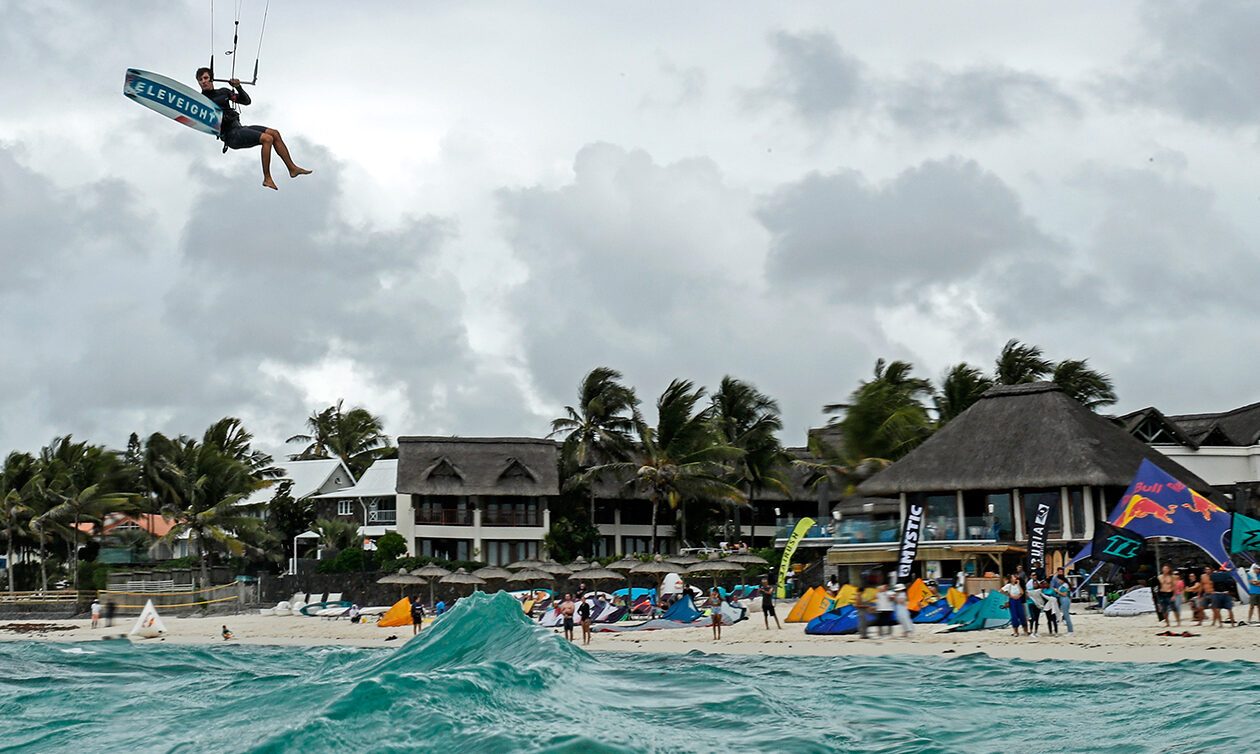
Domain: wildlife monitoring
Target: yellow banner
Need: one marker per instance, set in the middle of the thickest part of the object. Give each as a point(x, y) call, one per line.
point(789, 550)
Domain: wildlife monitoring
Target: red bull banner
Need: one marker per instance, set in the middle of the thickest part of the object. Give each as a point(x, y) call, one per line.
point(1157, 505)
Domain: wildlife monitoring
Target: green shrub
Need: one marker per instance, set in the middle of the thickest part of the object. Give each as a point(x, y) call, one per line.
point(391, 546)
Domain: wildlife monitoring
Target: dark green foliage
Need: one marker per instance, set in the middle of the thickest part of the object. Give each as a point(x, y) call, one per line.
point(287, 516)
point(355, 436)
point(390, 546)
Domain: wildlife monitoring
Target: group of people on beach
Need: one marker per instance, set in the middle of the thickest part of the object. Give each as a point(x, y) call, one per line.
point(1204, 590)
point(582, 609)
point(1032, 596)
point(886, 606)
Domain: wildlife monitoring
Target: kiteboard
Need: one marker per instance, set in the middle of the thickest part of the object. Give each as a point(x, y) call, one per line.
point(174, 100)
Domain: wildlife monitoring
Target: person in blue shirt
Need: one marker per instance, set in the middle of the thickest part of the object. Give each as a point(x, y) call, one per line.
point(1063, 592)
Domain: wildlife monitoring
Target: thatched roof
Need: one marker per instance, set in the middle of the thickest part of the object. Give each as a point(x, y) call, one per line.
point(477, 466)
point(1025, 436)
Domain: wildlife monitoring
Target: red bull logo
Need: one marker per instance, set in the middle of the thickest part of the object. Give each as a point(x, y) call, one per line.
point(1141, 507)
point(1202, 506)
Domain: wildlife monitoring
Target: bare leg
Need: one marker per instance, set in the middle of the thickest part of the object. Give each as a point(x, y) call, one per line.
point(283, 151)
point(266, 140)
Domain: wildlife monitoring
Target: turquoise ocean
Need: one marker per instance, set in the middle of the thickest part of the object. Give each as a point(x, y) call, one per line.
point(484, 678)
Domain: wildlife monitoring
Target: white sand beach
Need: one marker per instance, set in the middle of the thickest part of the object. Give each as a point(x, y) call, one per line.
point(1096, 638)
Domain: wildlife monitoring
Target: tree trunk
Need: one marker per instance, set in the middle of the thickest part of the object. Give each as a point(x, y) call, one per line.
point(655, 504)
point(43, 564)
point(205, 565)
point(9, 561)
point(752, 522)
point(74, 555)
point(592, 507)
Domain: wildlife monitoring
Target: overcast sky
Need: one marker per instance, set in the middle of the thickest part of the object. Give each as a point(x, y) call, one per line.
point(509, 194)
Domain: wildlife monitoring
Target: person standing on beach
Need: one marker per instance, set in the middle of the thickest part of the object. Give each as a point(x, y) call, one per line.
point(714, 604)
point(1206, 592)
point(883, 610)
point(901, 610)
point(1036, 603)
point(1253, 591)
point(584, 613)
point(1195, 590)
point(566, 612)
point(1222, 581)
point(1167, 593)
point(862, 605)
point(110, 607)
point(1014, 592)
point(767, 604)
point(417, 617)
point(1050, 610)
point(1063, 593)
point(96, 613)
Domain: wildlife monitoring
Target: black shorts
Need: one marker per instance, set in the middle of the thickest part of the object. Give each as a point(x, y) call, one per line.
point(768, 609)
point(244, 137)
point(568, 624)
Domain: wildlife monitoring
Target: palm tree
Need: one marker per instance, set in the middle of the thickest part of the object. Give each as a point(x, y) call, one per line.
point(746, 419)
point(599, 429)
point(962, 386)
point(827, 464)
point(885, 417)
point(677, 461)
point(82, 484)
point(16, 512)
point(1019, 363)
point(355, 436)
point(336, 534)
point(1093, 389)
point(199, 486)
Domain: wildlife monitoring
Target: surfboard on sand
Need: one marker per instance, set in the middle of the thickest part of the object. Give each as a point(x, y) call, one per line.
point(176, 101)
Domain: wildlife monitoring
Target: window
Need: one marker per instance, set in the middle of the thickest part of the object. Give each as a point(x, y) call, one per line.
point(1001, 516)
point(1076, 504)
point(1033, 500)
point(345, 507)
point(940, 515)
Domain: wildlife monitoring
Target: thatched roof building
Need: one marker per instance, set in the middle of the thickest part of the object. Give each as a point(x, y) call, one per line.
point(1024, 436)
point(513, 466)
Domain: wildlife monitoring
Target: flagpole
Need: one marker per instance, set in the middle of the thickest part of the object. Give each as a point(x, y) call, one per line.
point(1081, 585)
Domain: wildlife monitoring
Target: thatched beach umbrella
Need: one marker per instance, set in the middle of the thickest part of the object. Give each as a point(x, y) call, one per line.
point(529, 576)
point(492, 573)
point(715, 567)
point(746, 559)
point(526, 563)
point(431, 572)
point(554, 568)
point(624, 565)
point(655, 567)
point(684, 560)
point(402, 579)
point(462, 577)
point(595, 573)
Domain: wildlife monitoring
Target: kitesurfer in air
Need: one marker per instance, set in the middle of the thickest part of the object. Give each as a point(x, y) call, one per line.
point(237, 136)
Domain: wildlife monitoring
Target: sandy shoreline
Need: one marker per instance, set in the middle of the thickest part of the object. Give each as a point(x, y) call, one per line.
point(1097, 638)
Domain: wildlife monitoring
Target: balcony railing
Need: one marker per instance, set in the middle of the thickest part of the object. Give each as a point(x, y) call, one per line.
point(510, 518)
point(383, 517)
point(785, 526)
point(444, 517)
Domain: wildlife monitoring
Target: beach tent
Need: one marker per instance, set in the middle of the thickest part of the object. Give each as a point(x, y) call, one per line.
point(991, 612)
point(812, 604)
point(966, 611)
point(956, 598)
point(149, 625)
point(839, 621)
point(916, 595)
point(731, 614)
point(934, 613)
point(845, 596)
point(683, 610)
point(1134, 602)
point(398, 615)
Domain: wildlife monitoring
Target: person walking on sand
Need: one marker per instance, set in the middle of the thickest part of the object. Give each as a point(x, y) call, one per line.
point(714, 604)
point(1014, 592)
point(767, 604)
point(96, 613)
point(236, 136)
point(566, 613)
point(901, 609)
point(1166, 598)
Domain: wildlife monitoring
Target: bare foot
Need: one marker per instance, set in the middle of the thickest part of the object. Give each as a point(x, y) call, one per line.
point(270, 183)
point(295, 172)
